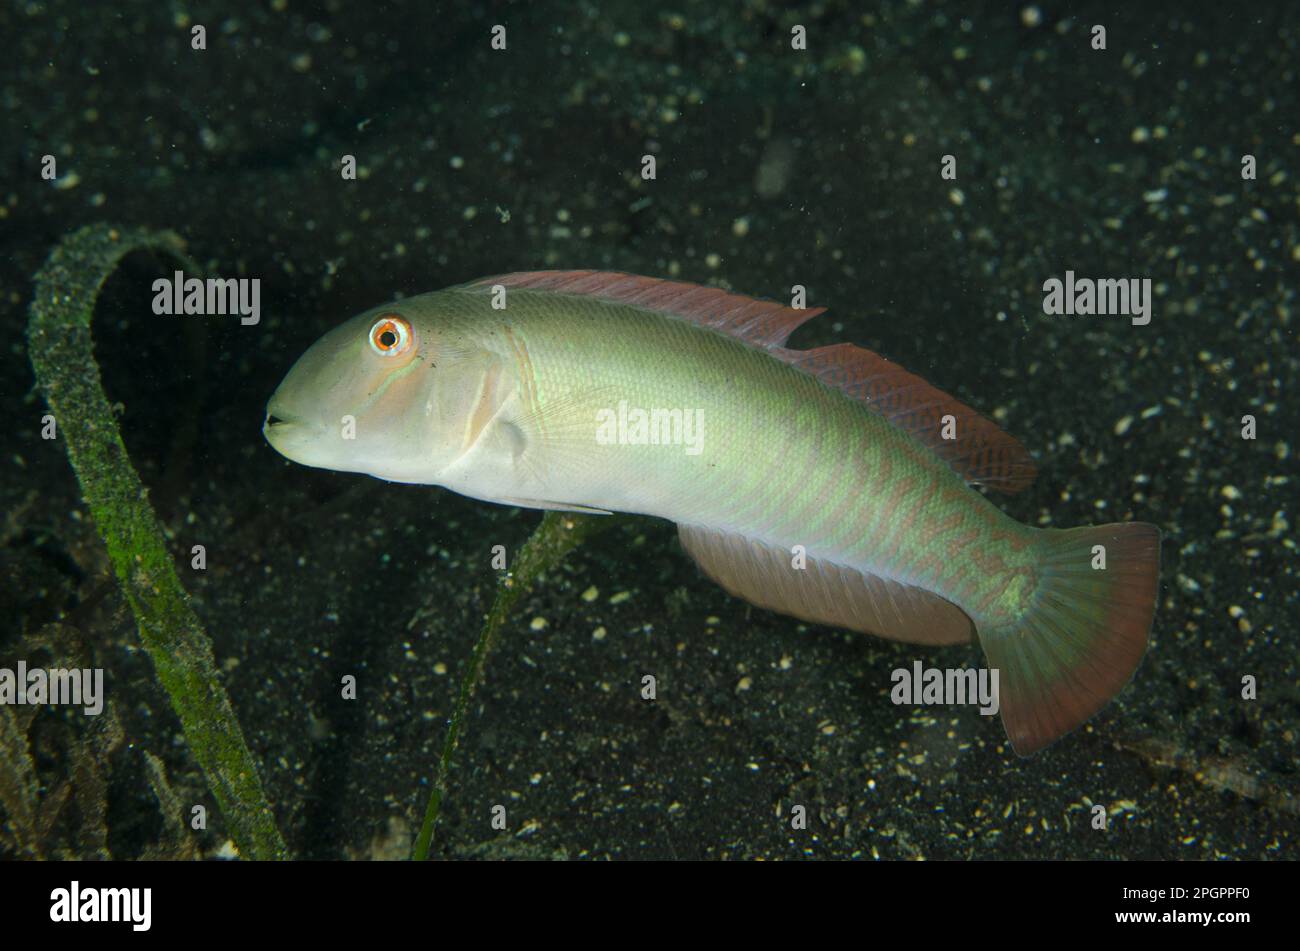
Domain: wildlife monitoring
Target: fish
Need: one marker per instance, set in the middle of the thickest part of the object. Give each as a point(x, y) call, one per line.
point(828, 484)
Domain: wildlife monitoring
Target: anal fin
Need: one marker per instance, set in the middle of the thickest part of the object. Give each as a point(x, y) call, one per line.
point(824, 592)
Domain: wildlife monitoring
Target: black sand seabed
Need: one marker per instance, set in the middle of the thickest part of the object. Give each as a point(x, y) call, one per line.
point(775, 167)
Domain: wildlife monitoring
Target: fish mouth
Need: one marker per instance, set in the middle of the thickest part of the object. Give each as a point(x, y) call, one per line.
point(278, 421)
point(286, 433)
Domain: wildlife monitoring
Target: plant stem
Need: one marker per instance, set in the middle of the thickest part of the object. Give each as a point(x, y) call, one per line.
point(557, 535)
point(59, 343)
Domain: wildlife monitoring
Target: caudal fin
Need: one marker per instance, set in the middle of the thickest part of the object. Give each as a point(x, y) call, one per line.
point(1081, 634)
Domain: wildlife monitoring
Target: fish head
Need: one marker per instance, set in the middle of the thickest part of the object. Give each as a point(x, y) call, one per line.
point(393, 393)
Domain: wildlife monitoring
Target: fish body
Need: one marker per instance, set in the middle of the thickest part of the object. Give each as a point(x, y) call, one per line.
point(826, 484)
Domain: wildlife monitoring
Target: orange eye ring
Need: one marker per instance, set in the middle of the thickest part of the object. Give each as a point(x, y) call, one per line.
point(391, 335)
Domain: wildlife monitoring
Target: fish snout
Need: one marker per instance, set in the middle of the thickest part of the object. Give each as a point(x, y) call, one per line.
point(289, 435)
point(277, 419)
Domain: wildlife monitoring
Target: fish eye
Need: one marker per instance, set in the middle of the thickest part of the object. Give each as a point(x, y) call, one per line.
point(391, 335)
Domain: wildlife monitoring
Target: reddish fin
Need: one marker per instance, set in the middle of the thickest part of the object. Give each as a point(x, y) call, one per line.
point(1082, 634)
point(763, 323)
point(981, 452)
point(824, 592)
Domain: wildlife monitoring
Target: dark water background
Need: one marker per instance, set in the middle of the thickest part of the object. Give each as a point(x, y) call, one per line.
point(774, 167)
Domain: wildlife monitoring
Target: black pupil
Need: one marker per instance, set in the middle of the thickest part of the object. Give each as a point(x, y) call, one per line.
point(387, 339)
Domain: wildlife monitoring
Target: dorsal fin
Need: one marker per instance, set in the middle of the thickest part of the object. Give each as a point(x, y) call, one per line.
point(762, 323)
point(824, 592)
point(980, 452)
